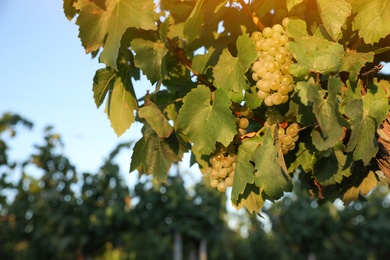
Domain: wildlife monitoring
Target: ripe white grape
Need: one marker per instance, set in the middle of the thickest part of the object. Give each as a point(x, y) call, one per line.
point(221, 187)
point(214, 183)
point(270, 71)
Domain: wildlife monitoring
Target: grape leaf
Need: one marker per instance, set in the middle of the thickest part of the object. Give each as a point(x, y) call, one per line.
point(328, 116)
point(150, 58)
point(365, 115)
point(333, 15)
point(292, 3)
point(203, 123)
point(304, 155)
point(251, 199)
point(156, 120)
point(333, 168)
point(252, 100)
point(313, 53)
point(122, 102)
point(353, 61)
point(103, 81)
point(192, 27)
point(229, 73)
point(100, 26)
point(269, 174)
point(362, 188)
point(152, 154)
point(244, 172)
point(372, 19)
point(69, 10)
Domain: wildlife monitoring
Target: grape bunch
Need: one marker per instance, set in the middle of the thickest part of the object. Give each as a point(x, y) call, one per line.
point(222, 171)
point(288, 137)
point(270, 71)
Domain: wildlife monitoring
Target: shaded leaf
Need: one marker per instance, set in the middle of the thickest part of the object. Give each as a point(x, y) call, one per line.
point(153, 155)
point(365, 116)
point(103, 81)
point(156, 120)
point(328, 116)
point(150, 58)
point(244, 172)
point(251, 199)
point(269, 174)
point(353, 61)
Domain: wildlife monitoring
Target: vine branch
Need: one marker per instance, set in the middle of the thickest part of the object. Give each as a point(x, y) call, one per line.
point(248, 10)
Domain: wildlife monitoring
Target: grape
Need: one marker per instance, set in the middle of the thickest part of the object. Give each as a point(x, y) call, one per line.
point(264, 85)
point(292, 129)
point(245, 111)
point(214, 183)
point(287, 79)
point(221, 187)
point(229, 181)
point(281, 132)
point(254, 76)
point(267, 32)
point(276, 98)
point(257, 36)
point(261, 94)
point(222, 173)
point(268, 101)
point(280, 57)
point(217, 166)
point(285, 22)
point(213, 174)
point(286, 140)
point(283, 90)
point(226, 162)
point(243, 123)
point(278, 28)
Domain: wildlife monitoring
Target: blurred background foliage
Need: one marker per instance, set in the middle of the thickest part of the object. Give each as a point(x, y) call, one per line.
point(63, 214)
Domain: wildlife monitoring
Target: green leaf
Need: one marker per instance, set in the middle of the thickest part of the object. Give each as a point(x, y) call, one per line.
point(333, 168)
point(244, 172)
point(252, 100)
point(328, 115)
point(333, 15)
point(353, 61)
point(122, 103)
point(363, 188)
point(365, 115)
point(193, 25)
point(150, 58)
point(152, 154)
point(269, 174)
point(251, 199)
point(103, 81)
point(204, 123)
point(304, 156)
point(372, 19)
point(292, 3)
point(156, 120)
point(105, 27)
point(229, 73)
point(313, 53)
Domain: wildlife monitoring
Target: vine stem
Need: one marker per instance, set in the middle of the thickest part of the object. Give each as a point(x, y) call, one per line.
point(187, 63)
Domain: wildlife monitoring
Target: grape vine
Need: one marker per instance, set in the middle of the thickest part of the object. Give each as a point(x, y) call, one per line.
point(256, 90)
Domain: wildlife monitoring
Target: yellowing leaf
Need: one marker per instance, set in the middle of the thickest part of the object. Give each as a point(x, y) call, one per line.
point(334, 14)
point(372, 19)
point(122, 103)
point(363, 188)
